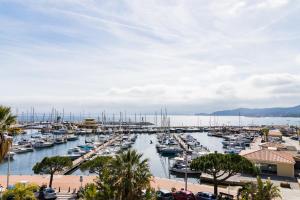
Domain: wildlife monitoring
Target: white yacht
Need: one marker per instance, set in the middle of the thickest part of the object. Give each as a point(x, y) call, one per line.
point(42, 144)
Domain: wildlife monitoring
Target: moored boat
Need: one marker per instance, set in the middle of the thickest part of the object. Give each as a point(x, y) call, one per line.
point(20, 150)
point(72, 137)
point(171, 150)
point(42, 144)
point(60, 140)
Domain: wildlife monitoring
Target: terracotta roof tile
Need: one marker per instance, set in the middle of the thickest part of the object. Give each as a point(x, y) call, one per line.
point(275, 133)
point(266, 155)
point(273, 144)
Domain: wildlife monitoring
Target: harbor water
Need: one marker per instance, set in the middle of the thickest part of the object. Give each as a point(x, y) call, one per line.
point(22, 164)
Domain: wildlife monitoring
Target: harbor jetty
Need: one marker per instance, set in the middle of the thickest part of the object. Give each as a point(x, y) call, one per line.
point(181, 142)
point(82, 159)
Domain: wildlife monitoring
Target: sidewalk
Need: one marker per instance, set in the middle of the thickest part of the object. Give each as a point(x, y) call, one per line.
point(64, 182)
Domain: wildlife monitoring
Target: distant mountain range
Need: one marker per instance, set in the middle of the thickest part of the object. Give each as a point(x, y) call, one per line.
point(259, 112)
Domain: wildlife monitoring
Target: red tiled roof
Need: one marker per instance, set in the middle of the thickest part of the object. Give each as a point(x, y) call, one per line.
point(273, 144)
point(266, 155)
point(275, 133)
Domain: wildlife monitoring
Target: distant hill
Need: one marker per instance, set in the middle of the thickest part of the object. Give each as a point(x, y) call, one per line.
point(260, 112)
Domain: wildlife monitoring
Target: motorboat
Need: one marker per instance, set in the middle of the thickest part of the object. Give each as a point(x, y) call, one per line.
point(76, 150)
point(159, 147)
point(91, 140)
point(20, 150)
point(23, 142)
point(60, 140)
point(181, 167)
point(171, 150)
point(72, 137)
point(61, 131)
point(36, 136)
point(42, 144)
point(232, 151)
point(87, 147)
point(126, 145)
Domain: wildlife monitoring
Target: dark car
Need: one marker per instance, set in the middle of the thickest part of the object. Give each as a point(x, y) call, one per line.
point(183, 195)
point(205, 196)
point(164, 195)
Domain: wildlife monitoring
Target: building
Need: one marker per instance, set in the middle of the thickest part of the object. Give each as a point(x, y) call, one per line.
point(89, 124)
point(273, 145)
point(280, 163)
point(275, 134)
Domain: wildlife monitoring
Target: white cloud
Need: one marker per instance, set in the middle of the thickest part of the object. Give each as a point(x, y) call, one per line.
point(272, 4)
point(189, 55)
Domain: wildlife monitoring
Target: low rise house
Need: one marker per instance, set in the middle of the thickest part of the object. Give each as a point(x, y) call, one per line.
point(273, 145)
point(274, 134)
point(280, 163)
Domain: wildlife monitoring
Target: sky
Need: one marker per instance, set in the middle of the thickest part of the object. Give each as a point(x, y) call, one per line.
point(190, 56)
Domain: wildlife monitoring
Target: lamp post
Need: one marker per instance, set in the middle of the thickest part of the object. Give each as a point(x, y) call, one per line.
point(298, 133)
point(185, 174)
point(8, 171)
point(8, 163)
point(186, 167)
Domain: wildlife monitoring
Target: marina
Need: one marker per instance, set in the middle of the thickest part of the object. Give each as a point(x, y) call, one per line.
point(140, 100)
point(169, 149)
point(75, 149)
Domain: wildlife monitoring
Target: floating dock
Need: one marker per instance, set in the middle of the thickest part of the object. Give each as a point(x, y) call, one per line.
point(80, 160)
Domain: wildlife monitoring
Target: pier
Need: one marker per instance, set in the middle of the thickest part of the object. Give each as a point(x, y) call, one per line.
point(79, 161)
point(181, 142)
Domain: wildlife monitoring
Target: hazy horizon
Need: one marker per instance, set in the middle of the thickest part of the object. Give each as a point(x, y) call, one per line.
point(141, 56)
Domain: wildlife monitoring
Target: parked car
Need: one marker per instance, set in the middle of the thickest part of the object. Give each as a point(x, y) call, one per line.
point(47, 193)
point(183, 195)
point(205, 196)
point(164, 195)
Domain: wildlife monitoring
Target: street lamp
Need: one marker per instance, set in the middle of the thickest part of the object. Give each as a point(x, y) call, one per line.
point(8, 162)
point(185, 174)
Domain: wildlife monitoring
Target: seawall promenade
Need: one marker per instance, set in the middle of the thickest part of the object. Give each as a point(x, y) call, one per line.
point(64, 182)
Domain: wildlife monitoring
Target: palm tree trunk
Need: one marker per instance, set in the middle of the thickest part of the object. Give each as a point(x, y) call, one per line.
point(51, 180)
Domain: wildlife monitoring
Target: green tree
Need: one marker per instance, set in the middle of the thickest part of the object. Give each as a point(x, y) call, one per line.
point(21, 191)
point(222, 166)
point(260, 191)
point(90, 192)
point(248, 191)
point(51, 165)
point(6, 120)
point(131, 175)
point(123, 177)
point(101, 166)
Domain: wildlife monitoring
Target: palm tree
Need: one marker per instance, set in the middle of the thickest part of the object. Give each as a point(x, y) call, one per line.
point(6, 119)
point(265, 132)
point(90, 192)
point(21, 191)
point(267, 190)
point(131, 175)
point(101, 166)
point(260, 191)
point(248, 192)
